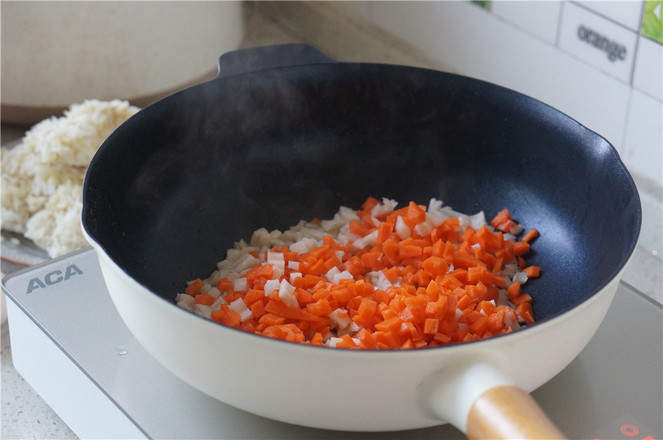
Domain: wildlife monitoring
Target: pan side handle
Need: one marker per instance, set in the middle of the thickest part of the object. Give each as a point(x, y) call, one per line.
point(478, 395)
point(508, 412)
point(268, 57)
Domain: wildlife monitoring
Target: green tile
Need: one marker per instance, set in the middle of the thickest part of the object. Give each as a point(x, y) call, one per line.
point(652, 20)
point(484, 4)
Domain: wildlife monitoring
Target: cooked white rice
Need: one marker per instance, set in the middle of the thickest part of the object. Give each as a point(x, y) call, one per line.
point(42, 177)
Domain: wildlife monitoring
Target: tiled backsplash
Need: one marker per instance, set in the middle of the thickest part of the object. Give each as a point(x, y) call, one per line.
point(607, 45)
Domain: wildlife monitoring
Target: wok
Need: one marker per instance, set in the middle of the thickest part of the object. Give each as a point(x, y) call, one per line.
point(285, 133)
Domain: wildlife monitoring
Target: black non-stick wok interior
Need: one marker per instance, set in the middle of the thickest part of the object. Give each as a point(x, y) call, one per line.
point(185, 178)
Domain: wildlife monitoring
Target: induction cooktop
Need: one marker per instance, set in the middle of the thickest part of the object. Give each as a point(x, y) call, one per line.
point(70, 344)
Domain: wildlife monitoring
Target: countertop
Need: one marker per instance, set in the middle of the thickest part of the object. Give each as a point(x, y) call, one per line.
point(26, 415)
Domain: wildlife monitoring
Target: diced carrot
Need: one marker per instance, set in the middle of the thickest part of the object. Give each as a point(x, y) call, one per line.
point(481, 274)
point(468, 234)
point(442, 338)
point(520, 299)
point(317, 339)
point(496, 320)
point(346, 342)
point(464, 302)
point(478, 292)
point(341, 294)
point(317, 268)
point(248, 326)
point(449, 327)
point(287, 332)
point(232, 296)
point(303, 296)
point(409, 251)
point(408, 344)
point(281, 309)
point(368, 221)
point(433, 291)
point(416, 213)
point(320, 253)
point(366, 338)
point(390, 249)
point(431, 325)
point(525, 312)
point(369, 204)
point(354, 265)
point(331, 262)
point(486, 307)
point(195, 286)
point(507, 226)
point(520, 248)
point(513, 290)
point(372, 260)
point(438, 285)
point(389, 325)
point(384, 232)
point(204, 299)
point(501, 218)
point(392, 273)
point(226, 316)
point(435, 265)
point(366, 313)
point(530, 235)
point(532, 271)
point(479, 326)
point(224, 285)
point(270, 319)
point(465, 260)
point(319, 308)
point(257, 308)
point(310, 281)
point(261, 271)
point(253, 295)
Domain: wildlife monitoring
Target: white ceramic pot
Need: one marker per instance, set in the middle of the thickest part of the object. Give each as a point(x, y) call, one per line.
point(142, 228)
point(58, 53)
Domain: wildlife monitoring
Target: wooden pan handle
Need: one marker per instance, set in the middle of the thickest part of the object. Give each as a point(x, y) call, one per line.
point(507, 412)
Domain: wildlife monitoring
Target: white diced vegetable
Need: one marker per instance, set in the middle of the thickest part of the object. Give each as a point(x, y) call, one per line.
point(340, 319)
point(331, 273)
point(477, 220)
point(304, 245)
point(287, 294)
point(240, 285)
point(271, 286)
point(202, 310)
point(239, 306)
point(386, 207)
point(185, 301)
point(402, 230)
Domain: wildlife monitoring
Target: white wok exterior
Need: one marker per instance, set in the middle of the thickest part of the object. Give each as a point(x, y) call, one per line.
point(348, 389)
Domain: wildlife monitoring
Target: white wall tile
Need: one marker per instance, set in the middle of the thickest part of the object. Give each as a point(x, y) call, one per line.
point(538, 18)
point(643, 144)
point(583, 35)
point(648, 72)
point(625, 12)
